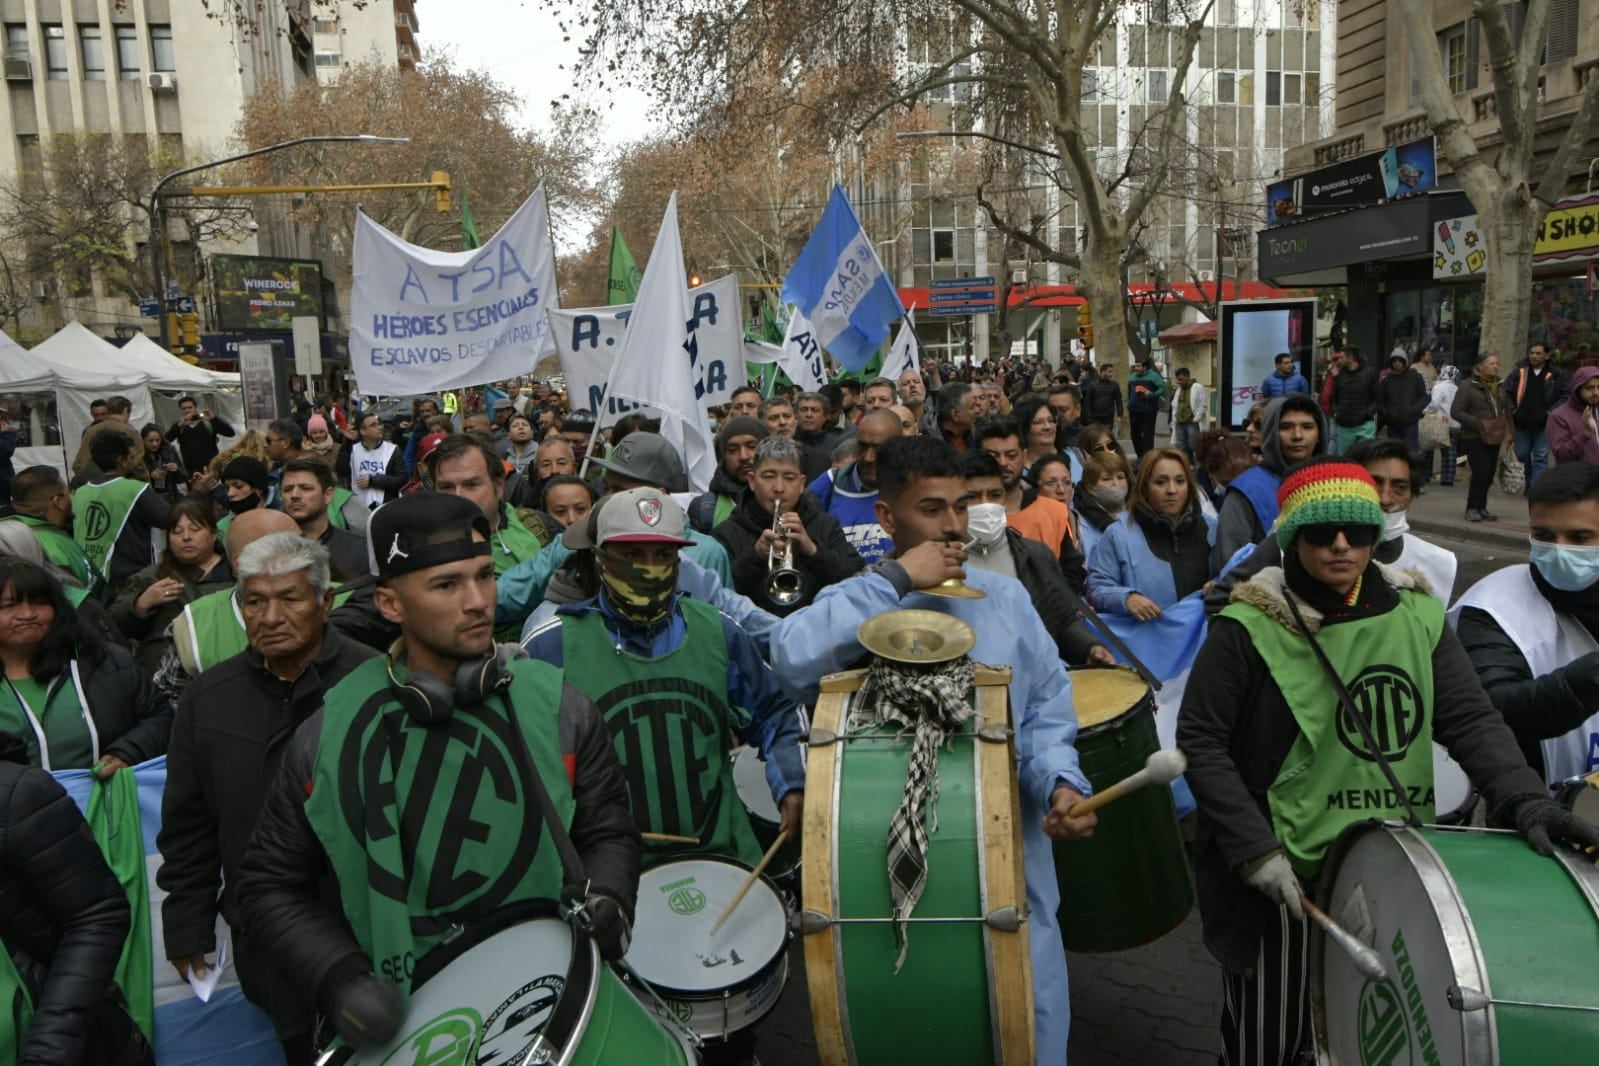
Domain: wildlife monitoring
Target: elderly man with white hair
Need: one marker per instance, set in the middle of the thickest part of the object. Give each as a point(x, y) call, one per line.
point(219, 765)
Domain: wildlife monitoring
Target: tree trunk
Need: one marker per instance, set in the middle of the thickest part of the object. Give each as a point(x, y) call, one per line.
point(1510, 223)
point(1100, 280)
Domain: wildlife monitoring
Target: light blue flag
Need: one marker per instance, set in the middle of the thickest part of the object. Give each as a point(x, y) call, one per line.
point(840, 285)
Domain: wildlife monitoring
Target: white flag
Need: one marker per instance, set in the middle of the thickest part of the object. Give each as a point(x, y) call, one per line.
point(423, 320)
point(903, 354)
point(658, 365)
point(801, 358)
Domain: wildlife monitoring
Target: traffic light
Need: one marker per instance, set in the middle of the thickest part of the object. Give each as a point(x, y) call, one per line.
point(189, 330)
point(1085, 326)
point(175, 332)
point(441, 191)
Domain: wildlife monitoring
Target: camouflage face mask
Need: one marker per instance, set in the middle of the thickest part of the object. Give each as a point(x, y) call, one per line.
point(639, 593)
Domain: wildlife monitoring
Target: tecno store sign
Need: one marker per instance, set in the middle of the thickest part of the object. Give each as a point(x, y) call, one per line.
point(1385, 232)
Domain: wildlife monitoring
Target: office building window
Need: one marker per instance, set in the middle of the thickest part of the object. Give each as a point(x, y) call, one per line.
point(943, 246)
point(55, 52)
point(128, 58)
point(161, 53)
point(1274, 88)
point(324, 25)
point(1293, 90)
point(328, 59)
point(92, 46)
point(1226, 87)
point(16, 41)
point(1157, 86)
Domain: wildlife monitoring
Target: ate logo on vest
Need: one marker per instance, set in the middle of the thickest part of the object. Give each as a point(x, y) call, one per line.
point(97, 523)
point(1391, 704)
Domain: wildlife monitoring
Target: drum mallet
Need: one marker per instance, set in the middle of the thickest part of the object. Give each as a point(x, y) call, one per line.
point(749, 882)
point(1367, 962)
point(1161, 768)
point(667, 838)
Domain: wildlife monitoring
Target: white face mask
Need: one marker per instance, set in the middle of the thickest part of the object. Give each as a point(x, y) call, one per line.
point(985, 522)
point(1395, 524)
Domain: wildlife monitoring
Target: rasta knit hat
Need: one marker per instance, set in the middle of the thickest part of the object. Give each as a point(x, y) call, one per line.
point(1326, 491)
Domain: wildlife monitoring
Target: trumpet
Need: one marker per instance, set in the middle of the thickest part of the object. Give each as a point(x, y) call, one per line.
point(782, 580)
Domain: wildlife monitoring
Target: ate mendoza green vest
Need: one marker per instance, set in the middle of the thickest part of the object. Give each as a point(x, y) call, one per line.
point(670, 721)
point(431, 828)
point(60, 549)
point(100, 511)
point(1330, 780)
point(513, 543)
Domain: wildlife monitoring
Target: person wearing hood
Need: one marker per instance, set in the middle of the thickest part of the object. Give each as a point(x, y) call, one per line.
point(849, 493)
point(1574, 425)
point(821, 552)
point(1533, 630)
point(735, 462)
point(319, 441)
point(245, 481)
point(1285, 379)
point(1401, 401)
point(1160, 552)
point(1443, 398)
point(65, 916)
point(1276, 780)
point(1292, 429)
point(1392, 468)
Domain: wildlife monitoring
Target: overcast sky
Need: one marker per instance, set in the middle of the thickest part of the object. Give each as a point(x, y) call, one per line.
point(520, 44)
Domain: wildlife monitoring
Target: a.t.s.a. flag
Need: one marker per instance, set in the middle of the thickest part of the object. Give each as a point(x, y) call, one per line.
point(839, 284)
point(621, 284)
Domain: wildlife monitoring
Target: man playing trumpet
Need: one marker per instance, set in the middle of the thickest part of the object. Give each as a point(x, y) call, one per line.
point(783, 546)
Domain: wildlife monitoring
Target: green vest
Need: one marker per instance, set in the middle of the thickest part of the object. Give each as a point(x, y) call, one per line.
point(100, 512)
point(61, 550)
point(514, 543)
point(222, 527)
point(336, 518)
point(113, 818)
point(1329, 781)
point(429, 828)
point(670, 722)
point(724, 509)
point(52, 720)
point(210, 630)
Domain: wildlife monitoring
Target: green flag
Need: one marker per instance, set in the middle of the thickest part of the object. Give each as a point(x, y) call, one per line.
point(469, 237)
point(621, 287)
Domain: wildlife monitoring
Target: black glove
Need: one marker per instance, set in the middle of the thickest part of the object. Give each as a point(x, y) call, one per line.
point(1544, 823)
point(368, 1012)
point(603, 919)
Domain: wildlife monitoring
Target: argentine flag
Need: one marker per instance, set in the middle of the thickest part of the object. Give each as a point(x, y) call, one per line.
point(840, 285)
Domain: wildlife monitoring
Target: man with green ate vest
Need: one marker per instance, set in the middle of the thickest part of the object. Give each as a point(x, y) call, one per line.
point(41, 501)
point(463, 465)
point(412, 785)
point(116, 515)
point(1279, 770)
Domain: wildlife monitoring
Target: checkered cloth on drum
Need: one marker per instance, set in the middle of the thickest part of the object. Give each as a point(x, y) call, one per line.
point(931, 702)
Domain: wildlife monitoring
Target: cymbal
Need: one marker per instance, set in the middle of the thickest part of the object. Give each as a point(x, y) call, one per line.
point(916, 636)
point(956, 589)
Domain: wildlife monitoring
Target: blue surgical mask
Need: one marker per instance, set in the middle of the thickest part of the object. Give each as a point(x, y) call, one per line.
point(1568, 567)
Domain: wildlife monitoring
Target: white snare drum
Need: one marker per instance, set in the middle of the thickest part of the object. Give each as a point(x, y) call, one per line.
point(749, 777)
point(715, 985)
point(1454, 798)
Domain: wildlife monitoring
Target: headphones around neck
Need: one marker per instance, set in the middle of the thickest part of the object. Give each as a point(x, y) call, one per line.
point(429, 701)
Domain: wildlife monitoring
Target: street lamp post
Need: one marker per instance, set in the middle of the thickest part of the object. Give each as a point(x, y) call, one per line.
point(157, 229)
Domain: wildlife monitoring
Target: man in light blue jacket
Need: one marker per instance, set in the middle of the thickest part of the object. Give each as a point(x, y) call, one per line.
point(922, 506)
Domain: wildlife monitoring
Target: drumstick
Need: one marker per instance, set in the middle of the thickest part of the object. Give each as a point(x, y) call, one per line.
point(668, 838)
point(1367, 962)
point(1161, 768)
point(750, 880)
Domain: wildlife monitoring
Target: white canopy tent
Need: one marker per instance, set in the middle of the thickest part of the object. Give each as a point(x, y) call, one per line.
point(79, 367)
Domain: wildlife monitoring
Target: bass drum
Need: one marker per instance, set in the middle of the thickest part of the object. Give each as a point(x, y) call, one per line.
point(1128, 884)
point(1489, 949)
point(523, 987)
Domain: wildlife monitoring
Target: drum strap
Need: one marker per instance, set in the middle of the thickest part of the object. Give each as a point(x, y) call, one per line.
point(1121, 649)
point(571, 862)
point(1354, 712)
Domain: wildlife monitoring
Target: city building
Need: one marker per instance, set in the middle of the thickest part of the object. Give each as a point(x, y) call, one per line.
point(346, 32)
point(1260, 84)
point(1353, 214)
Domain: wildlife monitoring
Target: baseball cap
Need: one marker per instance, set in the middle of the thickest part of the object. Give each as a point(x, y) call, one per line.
point(250, 470)
point(640, 516)
point(422, 530)
point(425, 446)
point(647, 457)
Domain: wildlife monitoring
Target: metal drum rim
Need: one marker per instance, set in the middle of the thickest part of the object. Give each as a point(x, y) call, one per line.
point(1085, 732)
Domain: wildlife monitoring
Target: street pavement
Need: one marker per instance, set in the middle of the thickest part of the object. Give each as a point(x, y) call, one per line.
point(1158, 1005)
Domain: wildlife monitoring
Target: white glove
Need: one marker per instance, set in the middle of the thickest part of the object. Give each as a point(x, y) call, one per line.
point(1273, 877)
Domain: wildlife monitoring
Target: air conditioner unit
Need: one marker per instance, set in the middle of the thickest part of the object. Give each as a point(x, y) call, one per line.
point(18, 69)
point(1207, 275)
point(163, 83)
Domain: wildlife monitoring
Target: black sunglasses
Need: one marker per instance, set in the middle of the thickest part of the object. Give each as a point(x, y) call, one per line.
point(1322, 536)
point(1107, 447)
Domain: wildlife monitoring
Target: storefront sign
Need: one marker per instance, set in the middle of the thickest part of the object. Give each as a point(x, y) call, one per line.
point(1397, 171)
point(1570, 231)
point(1385, 232)
point(1459, 249)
